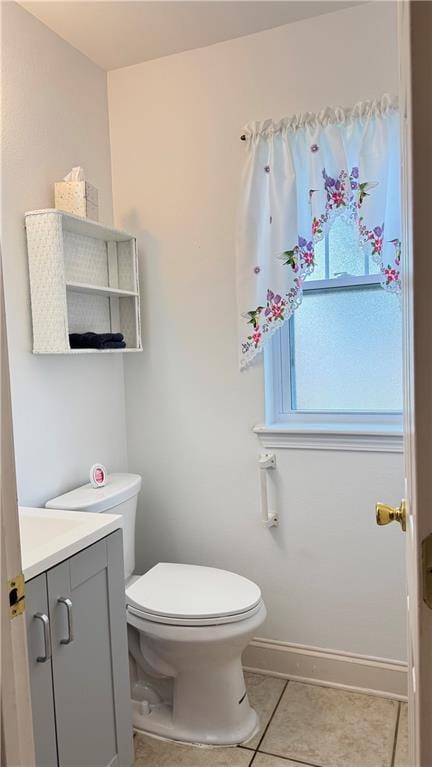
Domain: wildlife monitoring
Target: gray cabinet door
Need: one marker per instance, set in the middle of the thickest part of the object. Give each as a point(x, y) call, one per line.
point(38, 637)
point(89, 657)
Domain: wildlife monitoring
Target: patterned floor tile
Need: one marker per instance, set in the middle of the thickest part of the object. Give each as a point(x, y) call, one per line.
point(150, 752)
point(264, 760)
point(332, 728)
point(401, 757)
point(264, 693)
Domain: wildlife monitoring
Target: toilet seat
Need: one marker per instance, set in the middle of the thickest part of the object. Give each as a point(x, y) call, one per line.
point(170, 621)
point(192, 595)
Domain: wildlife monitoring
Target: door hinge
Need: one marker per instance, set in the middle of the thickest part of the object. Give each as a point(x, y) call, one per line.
point(427, 570)
point(16, 596)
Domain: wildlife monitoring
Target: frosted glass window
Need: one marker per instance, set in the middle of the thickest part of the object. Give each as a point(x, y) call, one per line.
point(340, 253)
point(346, 351)
point(346, 255)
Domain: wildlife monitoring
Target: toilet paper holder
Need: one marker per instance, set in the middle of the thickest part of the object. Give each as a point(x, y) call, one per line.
point(266, 461)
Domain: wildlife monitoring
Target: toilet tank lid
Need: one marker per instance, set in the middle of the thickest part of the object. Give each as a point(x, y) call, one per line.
point(119, 488)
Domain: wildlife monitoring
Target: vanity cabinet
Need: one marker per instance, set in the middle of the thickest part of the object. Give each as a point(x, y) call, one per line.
point(79, 661)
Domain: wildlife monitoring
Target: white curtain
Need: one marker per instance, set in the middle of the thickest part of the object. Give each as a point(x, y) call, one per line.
point(300, 174)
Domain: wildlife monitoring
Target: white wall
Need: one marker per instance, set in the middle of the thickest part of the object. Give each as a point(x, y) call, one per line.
point(68, 411)
point(330, 578)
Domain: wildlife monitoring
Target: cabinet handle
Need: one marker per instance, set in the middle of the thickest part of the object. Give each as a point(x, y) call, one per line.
point(68, 604)
point(46, 636)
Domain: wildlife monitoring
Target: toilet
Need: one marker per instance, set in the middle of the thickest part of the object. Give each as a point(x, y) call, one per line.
point(187, 628)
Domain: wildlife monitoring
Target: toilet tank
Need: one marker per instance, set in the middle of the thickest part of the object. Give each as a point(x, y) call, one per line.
point(118, 496)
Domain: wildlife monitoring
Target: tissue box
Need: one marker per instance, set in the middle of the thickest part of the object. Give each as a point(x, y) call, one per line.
point(78, 197)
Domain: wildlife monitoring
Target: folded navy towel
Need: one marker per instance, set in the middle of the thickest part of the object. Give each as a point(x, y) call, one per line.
point(104, 337)
point(96, 341)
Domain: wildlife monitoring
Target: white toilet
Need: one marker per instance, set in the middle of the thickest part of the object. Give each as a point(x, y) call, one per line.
point(187, 628)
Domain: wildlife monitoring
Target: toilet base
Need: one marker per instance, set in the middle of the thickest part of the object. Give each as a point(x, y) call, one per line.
point(158, 722)
point(187, 682)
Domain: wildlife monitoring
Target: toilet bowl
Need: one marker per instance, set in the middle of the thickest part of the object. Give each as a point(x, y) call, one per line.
point(187, 628)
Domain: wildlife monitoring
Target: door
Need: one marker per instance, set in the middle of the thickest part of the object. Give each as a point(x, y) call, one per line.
point(39, 650)
point(415, 24)
point(89, 657)
point(16, 727)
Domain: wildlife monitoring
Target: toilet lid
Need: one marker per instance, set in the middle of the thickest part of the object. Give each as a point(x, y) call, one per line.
point(192, 591)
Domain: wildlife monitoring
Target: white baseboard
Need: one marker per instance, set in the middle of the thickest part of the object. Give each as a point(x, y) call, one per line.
point(360, 673)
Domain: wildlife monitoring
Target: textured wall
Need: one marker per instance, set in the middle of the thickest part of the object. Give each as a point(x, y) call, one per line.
point(330, 578)
point(68, 411)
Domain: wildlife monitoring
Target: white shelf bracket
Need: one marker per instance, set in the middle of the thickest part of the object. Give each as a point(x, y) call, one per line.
point(266, 461)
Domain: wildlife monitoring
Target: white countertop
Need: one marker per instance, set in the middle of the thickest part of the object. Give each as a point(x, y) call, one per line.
point(48, 536)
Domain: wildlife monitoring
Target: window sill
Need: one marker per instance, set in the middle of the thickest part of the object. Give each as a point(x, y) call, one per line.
point(368, 438)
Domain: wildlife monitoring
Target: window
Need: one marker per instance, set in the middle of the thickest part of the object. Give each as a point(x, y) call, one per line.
point(338, 361)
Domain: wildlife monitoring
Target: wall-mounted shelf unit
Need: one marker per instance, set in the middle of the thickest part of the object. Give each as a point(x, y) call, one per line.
point(83, 277)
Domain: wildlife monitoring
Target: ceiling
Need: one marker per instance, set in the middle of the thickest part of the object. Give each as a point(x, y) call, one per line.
point(118, 34)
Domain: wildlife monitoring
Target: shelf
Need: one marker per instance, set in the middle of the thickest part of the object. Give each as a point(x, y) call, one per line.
point(92, 351)
point(83, 287)
point(84, 226)
point(83, 278)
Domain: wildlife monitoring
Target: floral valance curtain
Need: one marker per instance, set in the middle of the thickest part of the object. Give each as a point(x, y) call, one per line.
point(300, 174)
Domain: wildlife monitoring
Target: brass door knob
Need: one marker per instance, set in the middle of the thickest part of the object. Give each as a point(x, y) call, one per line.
point(386, 514)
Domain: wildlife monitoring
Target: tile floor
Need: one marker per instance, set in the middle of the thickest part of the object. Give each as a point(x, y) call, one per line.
point(301, 726)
